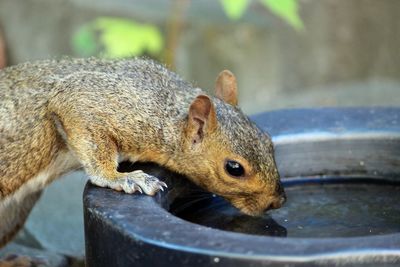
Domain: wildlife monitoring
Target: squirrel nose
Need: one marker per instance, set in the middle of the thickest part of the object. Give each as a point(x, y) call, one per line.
point(280, 190)
point(277, 202)
point(282, 199)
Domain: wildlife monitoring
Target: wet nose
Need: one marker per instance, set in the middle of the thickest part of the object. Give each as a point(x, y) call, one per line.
point(280, 190)
point(281, 199)
point(277, 202)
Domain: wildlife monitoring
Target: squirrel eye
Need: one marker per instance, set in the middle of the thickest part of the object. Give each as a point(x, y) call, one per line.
point(234, 168)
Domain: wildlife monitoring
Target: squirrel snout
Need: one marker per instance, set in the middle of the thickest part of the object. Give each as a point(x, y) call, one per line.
point(277, 202)
point(281, 200)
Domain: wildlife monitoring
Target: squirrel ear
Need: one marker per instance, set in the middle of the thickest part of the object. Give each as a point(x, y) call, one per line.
point(202, 118)
point(226, 87)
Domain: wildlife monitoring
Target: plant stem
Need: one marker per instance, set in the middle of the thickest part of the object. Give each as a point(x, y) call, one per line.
point(3, 57)
point(175, 25)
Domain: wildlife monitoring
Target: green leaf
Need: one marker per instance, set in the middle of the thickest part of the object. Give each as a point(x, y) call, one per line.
point(84, 42)
point(234, 9)
point(119, 38)
point(124, 38)
point(287, 10)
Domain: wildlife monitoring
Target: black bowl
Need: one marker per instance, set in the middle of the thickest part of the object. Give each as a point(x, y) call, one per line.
point(341, 172)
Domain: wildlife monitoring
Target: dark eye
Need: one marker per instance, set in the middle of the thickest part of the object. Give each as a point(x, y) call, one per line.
point(234, 168)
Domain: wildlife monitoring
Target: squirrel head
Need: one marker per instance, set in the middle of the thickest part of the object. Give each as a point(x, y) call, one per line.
point(227, 154)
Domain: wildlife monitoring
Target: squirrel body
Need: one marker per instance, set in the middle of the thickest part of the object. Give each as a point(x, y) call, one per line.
point(58, 116)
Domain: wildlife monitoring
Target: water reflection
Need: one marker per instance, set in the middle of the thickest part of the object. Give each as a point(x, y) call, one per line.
point(217, 213)
point(312, 210)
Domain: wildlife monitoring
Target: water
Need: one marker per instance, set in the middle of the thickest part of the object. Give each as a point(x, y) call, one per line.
point(311, 210)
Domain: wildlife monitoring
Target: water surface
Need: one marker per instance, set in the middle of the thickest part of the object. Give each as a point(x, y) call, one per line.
point(311, 210)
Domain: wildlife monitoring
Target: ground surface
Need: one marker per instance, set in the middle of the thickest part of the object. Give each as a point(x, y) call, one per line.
point(54, 230)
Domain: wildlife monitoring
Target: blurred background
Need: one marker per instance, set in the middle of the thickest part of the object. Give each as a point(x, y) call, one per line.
point(284, 53)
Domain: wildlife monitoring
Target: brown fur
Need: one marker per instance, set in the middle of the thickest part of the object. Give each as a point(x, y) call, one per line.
point(14, 260)
point(18, 216)
point(56, 116)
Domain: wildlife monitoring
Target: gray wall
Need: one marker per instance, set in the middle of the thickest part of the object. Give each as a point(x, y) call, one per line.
point(348, 55)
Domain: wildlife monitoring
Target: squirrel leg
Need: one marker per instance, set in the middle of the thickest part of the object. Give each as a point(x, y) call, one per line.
point(99, 157)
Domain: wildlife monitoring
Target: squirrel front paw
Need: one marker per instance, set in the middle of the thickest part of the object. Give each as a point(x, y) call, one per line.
point(132, 182)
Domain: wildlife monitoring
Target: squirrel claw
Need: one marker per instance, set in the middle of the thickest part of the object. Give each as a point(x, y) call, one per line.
point(163, 185)
point(137, 188)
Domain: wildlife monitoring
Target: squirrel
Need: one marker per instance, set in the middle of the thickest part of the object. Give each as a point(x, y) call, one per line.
point(61, 115)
